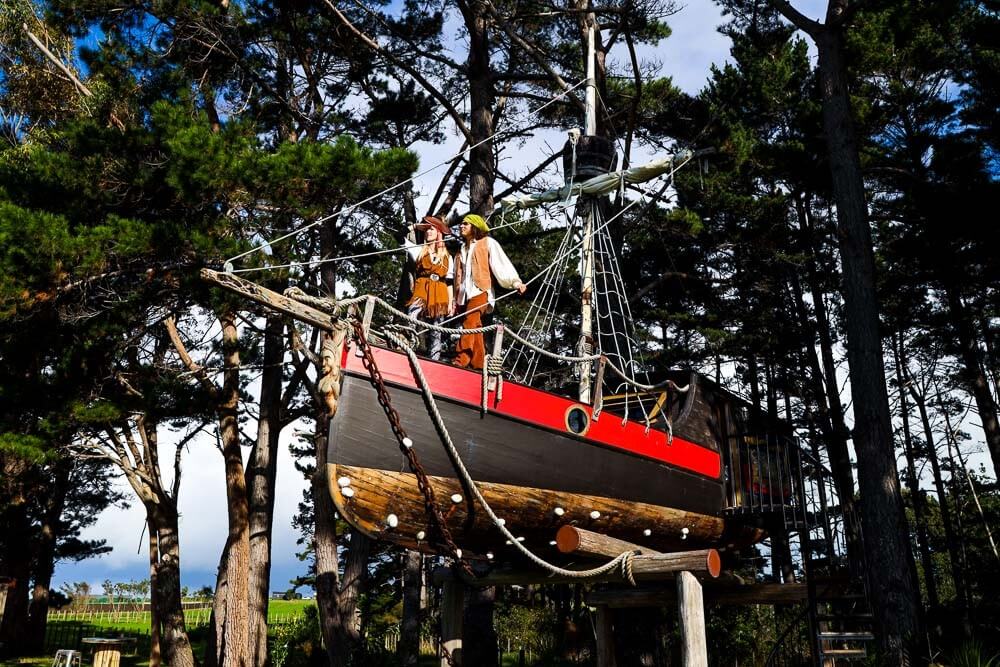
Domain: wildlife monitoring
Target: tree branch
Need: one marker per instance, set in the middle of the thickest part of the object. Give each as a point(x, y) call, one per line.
point(406, 67)
point(198, 371)
point(797, 18)
point(533, 51)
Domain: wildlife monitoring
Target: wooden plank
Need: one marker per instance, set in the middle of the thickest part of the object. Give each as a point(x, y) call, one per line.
point(452, 610)
point(269, 298)
point(713, 593)
point(604, 629)
point(691, 608)
point(575, 540)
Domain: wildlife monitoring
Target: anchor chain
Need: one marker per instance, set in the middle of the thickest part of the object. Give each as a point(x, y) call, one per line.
point(423, 483)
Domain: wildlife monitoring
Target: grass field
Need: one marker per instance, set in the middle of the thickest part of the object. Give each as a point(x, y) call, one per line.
point(279, 611)
point(65, 628)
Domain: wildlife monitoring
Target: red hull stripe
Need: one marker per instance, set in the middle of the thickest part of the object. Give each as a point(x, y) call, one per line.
point(542, 408)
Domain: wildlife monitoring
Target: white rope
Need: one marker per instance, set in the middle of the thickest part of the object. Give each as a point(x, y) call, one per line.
point(515, 335)
point(348, 209)
point(623, 561)
point(386, 251)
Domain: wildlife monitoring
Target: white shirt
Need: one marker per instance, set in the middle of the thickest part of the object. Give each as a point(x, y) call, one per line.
point(503, 271)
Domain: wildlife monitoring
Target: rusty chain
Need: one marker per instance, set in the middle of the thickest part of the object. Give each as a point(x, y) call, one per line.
point(423, 483)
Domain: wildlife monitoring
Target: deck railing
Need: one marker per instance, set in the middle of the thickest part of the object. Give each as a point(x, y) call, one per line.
point(773, 480)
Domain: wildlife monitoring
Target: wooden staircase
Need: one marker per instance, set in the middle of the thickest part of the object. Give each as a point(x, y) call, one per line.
point(780, 485)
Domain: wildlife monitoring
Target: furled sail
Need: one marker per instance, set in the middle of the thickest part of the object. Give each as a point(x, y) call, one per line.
point(598, 185)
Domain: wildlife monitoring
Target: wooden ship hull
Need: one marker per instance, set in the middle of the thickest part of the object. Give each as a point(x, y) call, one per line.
point(539, 459)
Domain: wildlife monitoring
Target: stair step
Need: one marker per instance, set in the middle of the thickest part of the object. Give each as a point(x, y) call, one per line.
point(844, 653)
point(845, 636)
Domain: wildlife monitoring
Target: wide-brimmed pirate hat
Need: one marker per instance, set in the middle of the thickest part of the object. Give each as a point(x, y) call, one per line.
point(436, 223)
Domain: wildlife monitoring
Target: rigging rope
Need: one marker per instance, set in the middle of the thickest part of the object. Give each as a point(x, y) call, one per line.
point(388, 251)
point(516, 335)
point(352, 207)
point(622, 562)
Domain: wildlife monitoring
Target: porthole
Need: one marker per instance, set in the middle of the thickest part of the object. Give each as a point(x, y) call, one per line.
point(577, 420)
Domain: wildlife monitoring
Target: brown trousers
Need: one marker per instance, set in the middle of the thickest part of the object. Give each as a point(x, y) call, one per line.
point(471, 349)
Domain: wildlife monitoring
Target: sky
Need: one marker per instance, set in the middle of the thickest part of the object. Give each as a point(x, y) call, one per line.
point(686, 56)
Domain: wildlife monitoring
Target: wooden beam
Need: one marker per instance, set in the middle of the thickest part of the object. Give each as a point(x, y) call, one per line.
point(583, 542)
point(691, 608)
point(452, 611)
point(604, 630)
point(653, 567)
point(713, 594)
point(269, 298)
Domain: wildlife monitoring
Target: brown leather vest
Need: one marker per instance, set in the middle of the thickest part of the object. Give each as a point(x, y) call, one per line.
point(480, 261)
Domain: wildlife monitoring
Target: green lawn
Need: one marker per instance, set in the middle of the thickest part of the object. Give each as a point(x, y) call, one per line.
point(64, 629)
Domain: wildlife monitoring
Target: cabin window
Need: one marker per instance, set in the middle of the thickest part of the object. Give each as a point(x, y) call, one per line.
point(577, 420)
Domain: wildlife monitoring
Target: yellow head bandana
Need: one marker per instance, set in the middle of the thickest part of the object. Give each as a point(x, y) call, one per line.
point(478, 222)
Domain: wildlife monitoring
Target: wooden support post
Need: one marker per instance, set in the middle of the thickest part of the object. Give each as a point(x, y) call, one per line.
point(366, 322)
point(573, 540)
point(491, 382)
point(691, 608)
point(452, 610)
point(605, 638)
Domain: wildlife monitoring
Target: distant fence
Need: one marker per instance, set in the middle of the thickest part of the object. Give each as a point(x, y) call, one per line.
point(193, 617)
point(69, 635)
point(131, 605)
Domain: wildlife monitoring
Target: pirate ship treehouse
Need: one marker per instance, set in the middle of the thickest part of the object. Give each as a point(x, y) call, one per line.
point(488, 464)
point(489, 459)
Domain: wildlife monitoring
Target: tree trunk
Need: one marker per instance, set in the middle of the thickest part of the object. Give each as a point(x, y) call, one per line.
point(175, 644)
point(479, 638)
point(955, 492)
point(891, 570)
point(958, 569)
point(482, 95)
point(972, 372)
point(218, 616)
point(916, 494)
point(840, 459)
point(154, 597)
point(409, 632)
point(325, 544)
point(13, 625)
point(45, 554)
point(355, 576)
point(992, 361)
point(261, 481)
point(232, 642)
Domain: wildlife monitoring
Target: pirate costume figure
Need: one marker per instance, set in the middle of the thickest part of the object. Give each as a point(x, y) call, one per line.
point(433, 298)
point(480, 262)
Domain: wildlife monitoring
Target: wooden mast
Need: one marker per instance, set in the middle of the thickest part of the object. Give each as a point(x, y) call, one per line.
point(587, 263)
